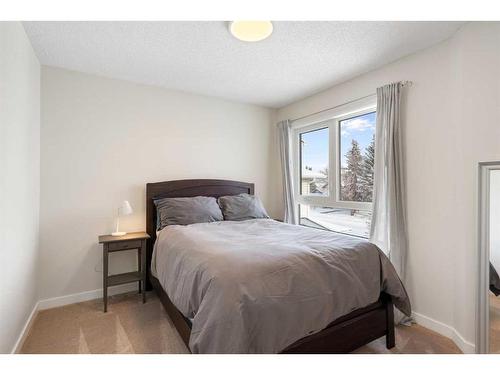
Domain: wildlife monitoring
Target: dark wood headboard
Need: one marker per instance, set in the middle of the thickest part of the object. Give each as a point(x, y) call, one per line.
point(184, 188)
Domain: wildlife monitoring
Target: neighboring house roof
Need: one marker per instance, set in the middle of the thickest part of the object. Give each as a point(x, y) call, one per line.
point(312, 174)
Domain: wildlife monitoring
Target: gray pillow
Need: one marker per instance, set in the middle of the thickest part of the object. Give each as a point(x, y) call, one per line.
point(184, 211)
point(242, 207)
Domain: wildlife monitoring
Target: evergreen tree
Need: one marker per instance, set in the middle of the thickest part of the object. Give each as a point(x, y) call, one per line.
point(367, 168)
point(323, 182)
point(351, 189)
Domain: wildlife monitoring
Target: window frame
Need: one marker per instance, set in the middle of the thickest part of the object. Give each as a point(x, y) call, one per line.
point(330, 120)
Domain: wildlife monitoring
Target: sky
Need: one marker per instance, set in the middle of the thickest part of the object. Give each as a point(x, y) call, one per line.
point(315, 149)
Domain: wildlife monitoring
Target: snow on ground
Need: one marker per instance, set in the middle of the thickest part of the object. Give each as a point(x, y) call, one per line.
point(340, 220)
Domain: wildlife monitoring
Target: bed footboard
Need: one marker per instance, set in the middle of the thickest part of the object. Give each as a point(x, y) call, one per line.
point(351, 331)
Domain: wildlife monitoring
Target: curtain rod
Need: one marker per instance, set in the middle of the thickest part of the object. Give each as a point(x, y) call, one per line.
point(403, 83)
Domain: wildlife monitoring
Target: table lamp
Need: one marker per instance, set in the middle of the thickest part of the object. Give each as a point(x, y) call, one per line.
point(124, 209)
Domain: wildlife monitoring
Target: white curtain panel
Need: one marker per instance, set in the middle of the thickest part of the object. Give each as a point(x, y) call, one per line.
point(388, 228)
point(285, 142)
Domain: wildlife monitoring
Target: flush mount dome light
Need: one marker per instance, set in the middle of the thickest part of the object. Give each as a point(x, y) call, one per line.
point(251, 31)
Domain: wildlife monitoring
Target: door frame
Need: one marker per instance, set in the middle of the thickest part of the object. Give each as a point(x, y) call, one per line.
point(483, 230)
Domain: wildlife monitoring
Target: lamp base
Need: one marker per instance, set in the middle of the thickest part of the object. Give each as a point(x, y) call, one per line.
point(118, 234)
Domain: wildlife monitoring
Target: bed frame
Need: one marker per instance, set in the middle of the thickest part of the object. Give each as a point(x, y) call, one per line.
point(343, 335)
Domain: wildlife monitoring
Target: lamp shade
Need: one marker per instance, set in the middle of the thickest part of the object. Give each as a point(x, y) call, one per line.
point(125, 208)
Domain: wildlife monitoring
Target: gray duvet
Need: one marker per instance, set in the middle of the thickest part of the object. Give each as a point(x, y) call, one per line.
point(259, 285)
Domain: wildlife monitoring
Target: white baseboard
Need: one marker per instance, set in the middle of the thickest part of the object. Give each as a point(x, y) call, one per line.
point(24, 332)
point(83, 296)
point(445, 330)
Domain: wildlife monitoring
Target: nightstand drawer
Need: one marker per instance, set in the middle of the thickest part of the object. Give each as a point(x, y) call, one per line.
point(115, 246)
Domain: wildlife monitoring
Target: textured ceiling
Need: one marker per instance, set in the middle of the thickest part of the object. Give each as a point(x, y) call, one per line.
point(299, 59)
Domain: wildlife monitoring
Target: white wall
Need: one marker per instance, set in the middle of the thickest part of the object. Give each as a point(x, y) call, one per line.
point(19, 181)
point(102, 140)
point(452, 121)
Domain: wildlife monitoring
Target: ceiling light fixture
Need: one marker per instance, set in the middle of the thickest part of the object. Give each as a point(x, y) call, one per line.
point(251, 31)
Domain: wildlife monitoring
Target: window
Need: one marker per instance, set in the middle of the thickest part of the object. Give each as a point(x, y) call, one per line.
point(314, 162)
point(334, 162)
point(357, 157)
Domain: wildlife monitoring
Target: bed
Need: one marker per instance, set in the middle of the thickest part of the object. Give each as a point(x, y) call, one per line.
point(341, 334)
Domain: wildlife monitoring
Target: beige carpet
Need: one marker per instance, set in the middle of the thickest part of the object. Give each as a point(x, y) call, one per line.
point(494, 324)
point(132, 327)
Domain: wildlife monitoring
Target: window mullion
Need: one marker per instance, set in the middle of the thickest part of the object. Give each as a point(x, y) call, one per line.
point(336, 162)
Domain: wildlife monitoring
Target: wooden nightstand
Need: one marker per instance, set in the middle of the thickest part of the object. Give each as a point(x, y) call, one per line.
point(129, 241)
